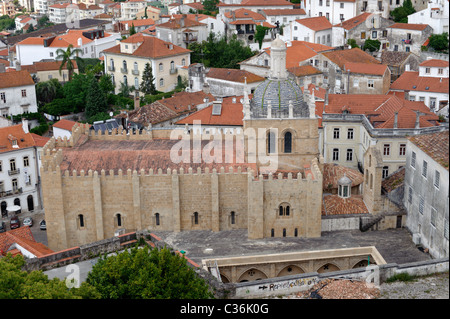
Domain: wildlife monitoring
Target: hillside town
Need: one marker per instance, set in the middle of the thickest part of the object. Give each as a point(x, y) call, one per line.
point(271, 147)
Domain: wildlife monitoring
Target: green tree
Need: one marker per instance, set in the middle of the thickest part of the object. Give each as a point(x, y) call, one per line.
point(260, 34)
point(439, 42)
point(76, 90)
point(106, 84)
point(47, 91)
point(352, 43)
point(30, 29)
point(18, 284)
point(210, 6)
point(371, 45)
point(148, 80)
point(133, 29)
point(147, 274)
point(400, 14)
point(95, 100)
point(66, 58)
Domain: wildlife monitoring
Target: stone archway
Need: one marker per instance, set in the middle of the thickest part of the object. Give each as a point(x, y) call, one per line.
point(361, 264)
point(252, 275)
point(224, 278)
point(290, 270)
point(328, 267)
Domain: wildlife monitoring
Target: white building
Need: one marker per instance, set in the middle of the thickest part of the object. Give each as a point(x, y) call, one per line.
point(63, 128)
point(435, 15)
point(21, 21)
point(334, 10)
point(315, 30)
point(19, 169)
point(17, 93)
point(130, 8)
point(426, 191)
point(91, 42)
point(57, 12)
point(430, 84)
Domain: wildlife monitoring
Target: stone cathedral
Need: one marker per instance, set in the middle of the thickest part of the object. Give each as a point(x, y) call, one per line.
point(95, 185)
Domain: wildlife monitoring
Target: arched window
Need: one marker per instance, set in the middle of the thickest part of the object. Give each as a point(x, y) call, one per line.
point(80, 220)
point(296, 232)
point(119, 220)
point(136, 83)
point(271, 142)
point(272, 233)
point(124, 65)
point(157, 219)
point(284, 232)
point(111, 63)
point(125, 80)
point(183, 62)
point(161, 82)
point(288, 142)
point(284, 210)
point(172, 66)
point(135, 66)
point(17, 201)
point(161, 68)
point(280, 211)
point(195, 218)
point(233, 218)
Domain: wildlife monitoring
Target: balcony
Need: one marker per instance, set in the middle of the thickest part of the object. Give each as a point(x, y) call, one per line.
point(14, 172)
point(124, 71)
point(111, 68)
point(173, 71)
point(135, 72)
point(408, 41)
point(11, 192)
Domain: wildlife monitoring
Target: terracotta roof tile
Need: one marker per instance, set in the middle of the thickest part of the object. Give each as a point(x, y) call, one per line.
point(25, 239)
point(231, 114)
point(394, 180)
point(340, 57)
point(65, 124)
point(15, 79)
point(233, 75)
point(304, 70)
point(435, 63)
point(39, 141)
point(409, 26)
point(333, 172)
point(15, 132)
point(365, 68)
point(284, 12)
point(243, 13)
point(335, 205)
point(316, 23)
point(411, 81)
point(435, 145)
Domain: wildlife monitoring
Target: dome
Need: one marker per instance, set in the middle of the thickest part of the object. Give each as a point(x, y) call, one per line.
point(344, 180)
point(279, 93)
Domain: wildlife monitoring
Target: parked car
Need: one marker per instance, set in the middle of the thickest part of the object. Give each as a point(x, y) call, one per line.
point(42, 225)
point(2, 227)
point(28, 221)
point(15, 222)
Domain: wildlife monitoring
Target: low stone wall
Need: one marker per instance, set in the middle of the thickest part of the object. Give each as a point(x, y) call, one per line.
point(334, 223)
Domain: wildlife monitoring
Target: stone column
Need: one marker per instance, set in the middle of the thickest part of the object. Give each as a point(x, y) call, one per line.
point(98, 210)
point(176, 203)
point(215, 219)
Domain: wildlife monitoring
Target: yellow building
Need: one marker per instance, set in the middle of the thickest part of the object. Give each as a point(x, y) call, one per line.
point(126, 61)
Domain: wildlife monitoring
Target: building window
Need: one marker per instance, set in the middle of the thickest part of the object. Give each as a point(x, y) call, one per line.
point(119, 220)
point(12, 165)
point(195, 218)
point(413, 159)
point(157, 221)
point(402, 150)
point(410, 194)
point(26, 161)
point(437, 177)
point(271, 142)
point(272, 233)
point(386, 149)
point(427, 70)
point(284, 210)
point(363, 35)
point(124, 65)
point(136, 83)
point(24, 93)
point(125, 80)
point(370, 83)
point(15, 184)
point(350, 134)
point(374, 34)
point(433, 217)
point(349, 155)
point(161, 67)
point(441, 71)
point(288, 142)
point(80, 221)
point(3, 97)
point(233, 218)
point(335, 154)
point(446, 228)
point(385, 171)
point(161, 82)
point(336, 132)
point(421, 204)
point(183, 62)
point(425, 169)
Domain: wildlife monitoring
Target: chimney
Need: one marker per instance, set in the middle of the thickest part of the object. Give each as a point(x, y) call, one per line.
point(136, 100)
point(396, 120)
point(417, 125)
point(25, 125)
point(326, 97)
point(18, 66)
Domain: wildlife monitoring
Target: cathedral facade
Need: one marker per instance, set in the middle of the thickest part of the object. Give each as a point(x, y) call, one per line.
point(98, 185)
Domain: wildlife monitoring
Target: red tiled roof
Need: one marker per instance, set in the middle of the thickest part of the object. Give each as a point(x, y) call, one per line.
point(316, 23)
point(340, 57)
point(435, 63)
point(259, 3)
point(283, 12)
point(15, 79)
point(304, 70)
point(231, 114)
point(353, 22)
point(380, 109)
point(151, 47)
point(138, 22)
point(39, 141)
point(65, 124)
point(233, 75)
point(365, 68)
point(336, 205)
point(23, 237)
point(411, 81)
point(435, 145)
point(243, 13)
point(332, 173)
point(409, 26)
point(8, 133)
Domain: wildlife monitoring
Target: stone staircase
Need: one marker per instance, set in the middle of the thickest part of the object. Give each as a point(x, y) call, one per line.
point(365, 226)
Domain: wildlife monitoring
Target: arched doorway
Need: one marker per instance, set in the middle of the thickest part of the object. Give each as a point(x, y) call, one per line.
point(252, 275)
point(30, 203)
point(327, 268)
point(3, 206)
point(290, 270)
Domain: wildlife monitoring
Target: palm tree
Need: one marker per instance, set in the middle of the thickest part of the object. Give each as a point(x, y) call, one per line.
point(66, 58)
